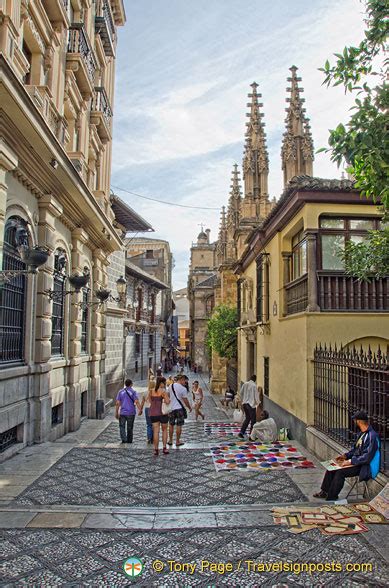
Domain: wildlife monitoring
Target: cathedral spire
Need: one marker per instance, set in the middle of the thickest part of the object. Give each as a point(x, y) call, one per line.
point(255, 158)
point(297, 145)
point(235, 199)
point(222, 239)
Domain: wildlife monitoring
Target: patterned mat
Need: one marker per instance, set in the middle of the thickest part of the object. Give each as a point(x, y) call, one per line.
point(216, 430)
point(241, 455)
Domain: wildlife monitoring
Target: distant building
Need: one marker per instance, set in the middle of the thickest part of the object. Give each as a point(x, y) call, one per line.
point(184, 339)
point(201, 283)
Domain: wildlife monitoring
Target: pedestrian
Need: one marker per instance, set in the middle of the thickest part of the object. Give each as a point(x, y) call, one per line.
point(178, 398)
point(169, 381)
point(157, 398)
point(265, 430)
point(159, 371)
point(229, 396)
point(362, 460)
point(126, 400)
point(190, 364)
point(195, 368)
point(198, 398)
point(145, 405)
point(249, 398)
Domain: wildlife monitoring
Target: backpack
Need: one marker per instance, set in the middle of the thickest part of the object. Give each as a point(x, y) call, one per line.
point(376, 461)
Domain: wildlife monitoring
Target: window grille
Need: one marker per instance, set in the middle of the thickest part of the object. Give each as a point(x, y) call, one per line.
point(12, 299)
point(266, 375)
point(58, 313)
point(84, 322)
point(263, 294)
point(8, 438)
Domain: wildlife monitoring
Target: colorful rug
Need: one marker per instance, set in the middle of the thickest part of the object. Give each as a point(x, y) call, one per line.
point(241, 455)
point(221, 429)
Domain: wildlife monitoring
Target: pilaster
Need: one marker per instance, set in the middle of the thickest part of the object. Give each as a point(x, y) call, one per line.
point(8, 162)
point(312, 272)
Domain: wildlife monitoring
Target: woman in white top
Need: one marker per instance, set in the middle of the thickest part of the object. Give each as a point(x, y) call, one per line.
point(198, 397)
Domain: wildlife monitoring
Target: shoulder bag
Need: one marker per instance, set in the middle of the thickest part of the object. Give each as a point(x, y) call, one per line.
point(180, 403)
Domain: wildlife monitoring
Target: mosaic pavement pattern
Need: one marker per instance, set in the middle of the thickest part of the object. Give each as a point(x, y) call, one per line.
point(75, 557)
point(118, 477)
point(192, 433)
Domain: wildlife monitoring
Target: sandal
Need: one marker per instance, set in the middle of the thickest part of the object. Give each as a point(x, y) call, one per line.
point(179, 444)
point(320, 494)
point(165, 451)
point(156, 451)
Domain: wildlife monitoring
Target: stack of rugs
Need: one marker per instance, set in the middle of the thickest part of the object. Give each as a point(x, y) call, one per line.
point(336, 519)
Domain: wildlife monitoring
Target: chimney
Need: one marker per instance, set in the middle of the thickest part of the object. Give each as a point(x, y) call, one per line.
point(208, 231)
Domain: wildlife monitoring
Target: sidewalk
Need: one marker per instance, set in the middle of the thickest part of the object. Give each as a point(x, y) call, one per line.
point(73, 510)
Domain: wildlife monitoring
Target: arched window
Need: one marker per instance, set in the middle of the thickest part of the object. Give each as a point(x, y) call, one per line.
point(13, 295)
point(58, 314)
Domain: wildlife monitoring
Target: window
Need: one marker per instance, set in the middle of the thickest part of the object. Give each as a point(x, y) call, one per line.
point(136, 367)
point(149, 254)
point(8, 438)
point(263, 309)
point(151, 342)
point(140, 304)
point(58, 313)
point(84, 322)
point(299, 255)
point(57, 415)
point(13, 294)
point(209, 304)
point(84, 404)
point(137, 343)
point(334, 234)
point(266, 373)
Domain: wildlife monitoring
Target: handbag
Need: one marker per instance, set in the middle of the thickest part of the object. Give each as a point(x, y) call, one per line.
point(180, 403)
point(238, 416)
point(165, 408)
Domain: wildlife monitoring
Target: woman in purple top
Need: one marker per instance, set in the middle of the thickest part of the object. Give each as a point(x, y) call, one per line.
point(156, 398)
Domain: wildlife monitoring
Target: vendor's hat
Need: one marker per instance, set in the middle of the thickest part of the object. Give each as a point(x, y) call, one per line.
point(361, 415)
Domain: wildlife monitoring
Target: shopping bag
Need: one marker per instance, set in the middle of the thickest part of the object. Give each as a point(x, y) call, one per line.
point(238, 416)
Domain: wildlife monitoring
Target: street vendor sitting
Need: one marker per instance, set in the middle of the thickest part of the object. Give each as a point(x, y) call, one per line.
point(361, 460)
point(266, 430)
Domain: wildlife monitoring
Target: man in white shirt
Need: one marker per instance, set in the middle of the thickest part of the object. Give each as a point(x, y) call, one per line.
point(178, 398)
point(249, 398)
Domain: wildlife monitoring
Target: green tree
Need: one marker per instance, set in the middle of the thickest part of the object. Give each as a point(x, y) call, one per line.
point(363, 142)
point(222, 334)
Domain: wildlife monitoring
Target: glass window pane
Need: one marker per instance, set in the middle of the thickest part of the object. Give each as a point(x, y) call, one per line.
point(332, 223)
point(331, 246)
point(304, 266)
point(361, 224)
point(357, 238)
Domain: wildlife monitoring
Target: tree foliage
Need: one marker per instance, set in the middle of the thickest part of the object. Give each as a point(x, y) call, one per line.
point(222, 331)
point(363, 142)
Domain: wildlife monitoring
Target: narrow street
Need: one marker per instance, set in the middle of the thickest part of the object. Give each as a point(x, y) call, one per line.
point(73, 511)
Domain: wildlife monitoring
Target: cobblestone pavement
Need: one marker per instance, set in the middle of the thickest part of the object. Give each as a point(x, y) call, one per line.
point(95, 558)
point(124, 477)
point(123, 502)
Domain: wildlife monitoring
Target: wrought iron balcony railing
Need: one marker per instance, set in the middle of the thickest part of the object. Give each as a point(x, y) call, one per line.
point(100, 103)
point(105, 27)
point(79, 43)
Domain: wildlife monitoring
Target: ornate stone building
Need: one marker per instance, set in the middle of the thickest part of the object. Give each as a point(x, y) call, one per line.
point(57, 66)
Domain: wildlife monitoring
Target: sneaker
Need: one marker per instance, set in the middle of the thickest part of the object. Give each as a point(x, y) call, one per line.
point(170, 443)
point(181, 443)
point(165, 451)
point(320, 494)
point(241, 435)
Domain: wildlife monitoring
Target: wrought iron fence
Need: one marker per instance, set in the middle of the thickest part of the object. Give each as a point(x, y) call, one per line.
point(346, 381)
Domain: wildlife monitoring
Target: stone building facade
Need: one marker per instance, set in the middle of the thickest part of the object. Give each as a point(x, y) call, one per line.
point(201, 282)
point(57, 66)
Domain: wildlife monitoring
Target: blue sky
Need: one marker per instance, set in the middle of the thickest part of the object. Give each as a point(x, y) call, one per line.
point(184, 68)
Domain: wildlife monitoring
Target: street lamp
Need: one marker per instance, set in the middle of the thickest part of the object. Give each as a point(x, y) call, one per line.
point(103, 294)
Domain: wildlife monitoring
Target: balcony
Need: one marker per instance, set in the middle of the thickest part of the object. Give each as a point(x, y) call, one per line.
point(105, 27)
point(101, 114)
point(142, 315)
point(337, 292)
point(340, 293)
point(57, 10)
point(43, 100)
point(81, 59)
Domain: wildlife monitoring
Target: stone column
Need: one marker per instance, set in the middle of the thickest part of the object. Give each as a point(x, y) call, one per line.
point(49, 210)
point(97, 368)
point(8, 162)
point(79, 239)
point(312, 272)
point(286, 258)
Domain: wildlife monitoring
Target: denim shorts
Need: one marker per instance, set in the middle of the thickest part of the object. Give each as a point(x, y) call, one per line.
point(162, 418)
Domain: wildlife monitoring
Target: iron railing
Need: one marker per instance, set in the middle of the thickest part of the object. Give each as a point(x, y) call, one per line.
point(338, 292)
point(105, 27)
point(100, 103)
point(346, 381)
point(79, 43)
point(8, 438)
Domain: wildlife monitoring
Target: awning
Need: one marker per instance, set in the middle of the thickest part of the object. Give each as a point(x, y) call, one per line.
point(128, 218)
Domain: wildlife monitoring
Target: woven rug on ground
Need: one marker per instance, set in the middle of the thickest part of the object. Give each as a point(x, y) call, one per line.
point(241, 455)
point(215, 430)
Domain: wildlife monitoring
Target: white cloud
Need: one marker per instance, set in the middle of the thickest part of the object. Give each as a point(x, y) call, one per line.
point(200, 112)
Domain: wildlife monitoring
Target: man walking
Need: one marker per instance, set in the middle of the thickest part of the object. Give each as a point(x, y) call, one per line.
point(126, 401)
point(178, 397)
point(249, 397)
